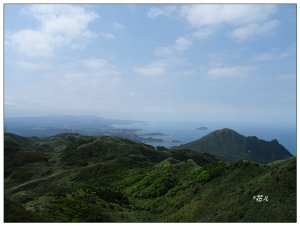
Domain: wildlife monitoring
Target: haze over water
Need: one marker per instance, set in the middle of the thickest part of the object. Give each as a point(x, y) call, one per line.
point(197, 62)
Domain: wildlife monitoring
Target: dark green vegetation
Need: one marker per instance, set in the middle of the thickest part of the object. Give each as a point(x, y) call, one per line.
point(227, 144)
point(73, 178)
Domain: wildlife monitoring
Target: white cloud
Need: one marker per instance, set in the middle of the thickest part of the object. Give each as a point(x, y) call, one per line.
point(167, 58)
point(189, 72)
point(107, 35)
point(32, 43)
point(202, 15)
point(253, 30)
point(76, 75)
point(90, 69)
point(118, 26)
point(219, 58)
point(265, 57)
point(244, 20)
point(234, 71)
point(33, 66)
point(99, 66)
point(203, 33)
point(161, 11)
point(59, 26)
point(163, 51)
point(95, 63)
point(133, 8)
point(272, 55)
point(153, 69)
point(182, 43)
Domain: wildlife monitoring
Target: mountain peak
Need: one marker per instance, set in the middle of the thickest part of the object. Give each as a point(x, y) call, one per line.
point(229, 145)
point(224, 132)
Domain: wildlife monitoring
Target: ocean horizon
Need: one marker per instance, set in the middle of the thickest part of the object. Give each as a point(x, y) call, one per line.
point(177, 133)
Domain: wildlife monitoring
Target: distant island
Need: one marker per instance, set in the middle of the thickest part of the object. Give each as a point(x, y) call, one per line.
point(176, 141)
point(153, 134)
point(202, 128)
point(151, 140)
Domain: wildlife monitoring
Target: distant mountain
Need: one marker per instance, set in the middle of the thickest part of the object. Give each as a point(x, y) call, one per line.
point(202, 128)
point(69, 122)
point(45, 126)
point(75, 178)
point(229, 145)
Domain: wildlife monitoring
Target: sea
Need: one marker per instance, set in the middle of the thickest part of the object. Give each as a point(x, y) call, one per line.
point(177, 133)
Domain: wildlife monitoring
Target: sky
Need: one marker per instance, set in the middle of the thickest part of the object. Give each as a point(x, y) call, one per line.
point(195, 62)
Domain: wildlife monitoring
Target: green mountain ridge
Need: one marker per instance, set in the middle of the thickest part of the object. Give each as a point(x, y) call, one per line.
point(227, 144)
point(74, 178)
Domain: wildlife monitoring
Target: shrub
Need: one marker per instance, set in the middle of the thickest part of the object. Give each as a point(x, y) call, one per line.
point(203, 176)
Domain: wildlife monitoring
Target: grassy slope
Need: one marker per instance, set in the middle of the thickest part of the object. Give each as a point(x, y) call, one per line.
point(88, 179)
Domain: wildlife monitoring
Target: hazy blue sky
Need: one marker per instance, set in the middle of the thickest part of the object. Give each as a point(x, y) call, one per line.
point(147, 62)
